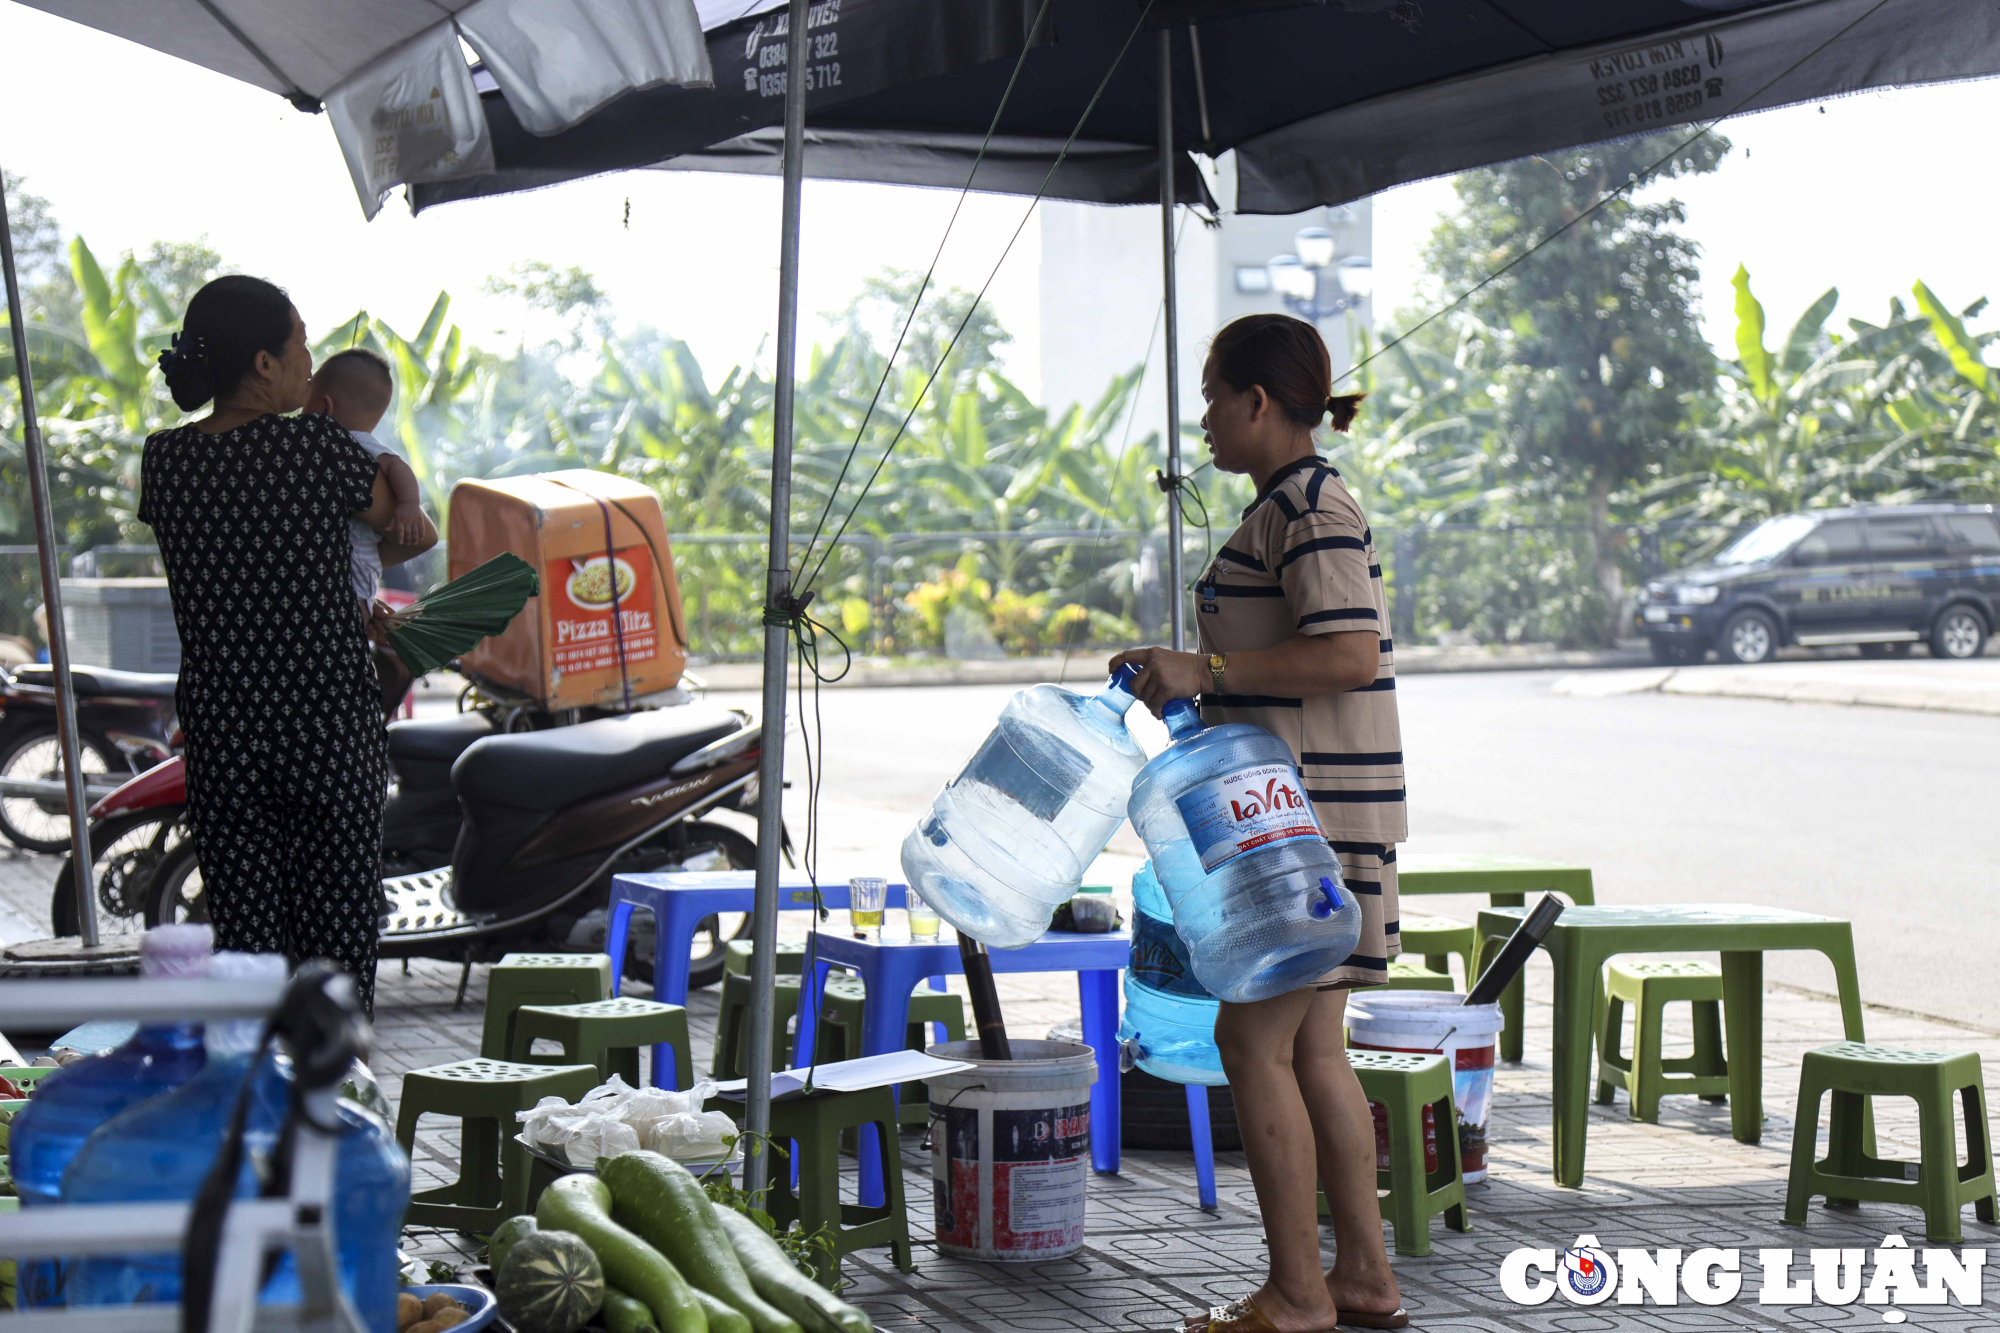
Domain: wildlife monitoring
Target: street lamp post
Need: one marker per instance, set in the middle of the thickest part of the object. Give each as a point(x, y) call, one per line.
point(1316, 285)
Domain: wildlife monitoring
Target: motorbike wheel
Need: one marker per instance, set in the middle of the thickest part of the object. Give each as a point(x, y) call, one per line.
point(30, 822)
point(175, 894)
point(711, 847)
point(126, 850)
point(712, 934)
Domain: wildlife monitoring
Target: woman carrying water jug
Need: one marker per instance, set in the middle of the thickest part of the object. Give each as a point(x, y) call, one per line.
point(1293, 630)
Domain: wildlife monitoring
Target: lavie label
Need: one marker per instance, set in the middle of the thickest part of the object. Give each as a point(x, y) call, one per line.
point(1245, 810)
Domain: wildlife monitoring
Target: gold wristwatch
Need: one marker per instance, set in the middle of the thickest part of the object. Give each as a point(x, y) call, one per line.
point(1217, 663)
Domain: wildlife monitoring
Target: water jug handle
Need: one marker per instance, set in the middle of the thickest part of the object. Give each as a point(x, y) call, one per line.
point(1328, 902)
point(1122, 678)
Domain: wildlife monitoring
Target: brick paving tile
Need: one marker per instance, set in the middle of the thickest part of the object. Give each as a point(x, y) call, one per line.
point(1151, 1255)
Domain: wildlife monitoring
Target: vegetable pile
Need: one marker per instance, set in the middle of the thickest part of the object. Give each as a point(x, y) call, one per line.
point(668, 1259)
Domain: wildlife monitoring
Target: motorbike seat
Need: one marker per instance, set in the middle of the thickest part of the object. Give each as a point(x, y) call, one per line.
point(547, 770)
point(437, 740)
point(93, 681)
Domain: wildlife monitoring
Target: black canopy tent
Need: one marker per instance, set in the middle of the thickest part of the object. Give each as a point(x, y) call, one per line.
point(1321, 102)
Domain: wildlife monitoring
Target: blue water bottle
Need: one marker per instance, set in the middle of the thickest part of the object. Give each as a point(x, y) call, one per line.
point(1169, 1022)
point(161, 1152)
point(1255, 889)
point(72, 1102)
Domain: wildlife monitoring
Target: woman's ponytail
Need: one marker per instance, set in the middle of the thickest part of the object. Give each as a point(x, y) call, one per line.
point(1342, 408)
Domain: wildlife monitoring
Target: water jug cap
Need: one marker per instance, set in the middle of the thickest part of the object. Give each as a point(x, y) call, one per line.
point(1122, 678)
point(239, 1036)
point(1182, 716)
point(179, 951)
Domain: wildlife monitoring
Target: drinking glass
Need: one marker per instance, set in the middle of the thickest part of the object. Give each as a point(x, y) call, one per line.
point(867, 898)
point(923, 918)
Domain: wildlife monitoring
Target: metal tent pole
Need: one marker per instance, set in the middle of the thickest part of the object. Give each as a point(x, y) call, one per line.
point(1177, 606)
point(45, 549)
point(777, 613)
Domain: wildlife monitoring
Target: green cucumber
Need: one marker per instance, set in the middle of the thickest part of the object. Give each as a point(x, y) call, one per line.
point(656, 1197)
point(722, 1316)
point(505, 1237)
point(628, 1314)
point(582, 1204)
point(779, 1281)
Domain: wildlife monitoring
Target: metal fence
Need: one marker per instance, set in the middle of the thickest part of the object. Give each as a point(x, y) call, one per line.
point(982, 594)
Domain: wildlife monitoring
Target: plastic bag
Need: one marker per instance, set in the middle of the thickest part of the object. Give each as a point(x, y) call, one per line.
point(693, 1136)
point(598, 1136)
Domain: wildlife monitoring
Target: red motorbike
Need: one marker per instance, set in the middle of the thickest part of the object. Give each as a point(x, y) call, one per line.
point(510, 841)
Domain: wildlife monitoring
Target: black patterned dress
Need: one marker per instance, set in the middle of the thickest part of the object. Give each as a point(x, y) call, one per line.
point(278, 697)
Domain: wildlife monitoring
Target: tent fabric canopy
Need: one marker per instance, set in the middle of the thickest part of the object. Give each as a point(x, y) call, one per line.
point(1323, 102)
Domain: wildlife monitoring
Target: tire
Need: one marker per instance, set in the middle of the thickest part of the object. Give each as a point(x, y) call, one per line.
point(1876, 652)
point(37, 825)
point(1750, 638)
point(705, 964)
point(127, 849)
point(175, 894)
point(1153, 1114)
point(1959, 633)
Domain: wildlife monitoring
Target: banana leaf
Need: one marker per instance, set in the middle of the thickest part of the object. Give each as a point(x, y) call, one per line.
point(452, 618)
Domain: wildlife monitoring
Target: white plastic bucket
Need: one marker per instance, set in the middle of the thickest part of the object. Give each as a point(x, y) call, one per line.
point(1010, 1150)
point(1434, 1023)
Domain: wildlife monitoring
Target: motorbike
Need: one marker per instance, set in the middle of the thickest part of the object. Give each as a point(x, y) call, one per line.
point(537, 824)
point(125, 725)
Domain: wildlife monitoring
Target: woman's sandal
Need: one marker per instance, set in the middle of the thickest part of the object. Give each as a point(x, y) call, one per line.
point(1243, 1316)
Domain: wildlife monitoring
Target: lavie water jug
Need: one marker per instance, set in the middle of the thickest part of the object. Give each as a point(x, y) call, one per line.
point(1169, 1022)
point(1010, 837)
point(48, 1132)
point(161, 1151)
point(1255, 889)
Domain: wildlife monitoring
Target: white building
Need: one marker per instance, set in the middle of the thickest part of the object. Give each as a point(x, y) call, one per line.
point(1100, 291)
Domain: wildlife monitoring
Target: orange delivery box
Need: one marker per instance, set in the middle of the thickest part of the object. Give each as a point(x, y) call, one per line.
point(608, 592)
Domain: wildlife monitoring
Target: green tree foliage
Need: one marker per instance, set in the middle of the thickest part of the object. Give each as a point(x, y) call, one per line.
point(1592, 344)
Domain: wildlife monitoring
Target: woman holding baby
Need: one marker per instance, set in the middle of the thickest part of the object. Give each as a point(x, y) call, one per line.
point(278, 697)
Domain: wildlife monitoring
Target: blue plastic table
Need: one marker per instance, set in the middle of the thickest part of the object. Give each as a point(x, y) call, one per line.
point(890, 969)
point(680, 901)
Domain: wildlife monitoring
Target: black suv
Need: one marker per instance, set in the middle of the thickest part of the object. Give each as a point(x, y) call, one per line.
point(1883, 577)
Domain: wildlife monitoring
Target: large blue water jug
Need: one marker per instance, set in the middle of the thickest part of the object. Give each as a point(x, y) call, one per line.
point(70, 1103)
point(1255, 889)
point(1169, 1022)
point(1008, 840)
point(160, 1152)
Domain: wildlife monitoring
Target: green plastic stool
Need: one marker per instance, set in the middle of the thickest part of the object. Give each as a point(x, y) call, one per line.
point(844, 1006)
point(1439, 937)
point(1411, 976)
point(1405, 1085)
point(1853, 1072)
point(1649, 987)
point(493, 1170)
point(732, 1026)
point(815, 1125)
point(538, 978)
point(606, 1033)
point(736, 959)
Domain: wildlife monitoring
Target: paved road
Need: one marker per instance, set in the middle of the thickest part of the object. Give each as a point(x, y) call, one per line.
point(1883, 816)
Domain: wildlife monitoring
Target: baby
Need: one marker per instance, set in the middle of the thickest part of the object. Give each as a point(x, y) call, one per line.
point(354, 388)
